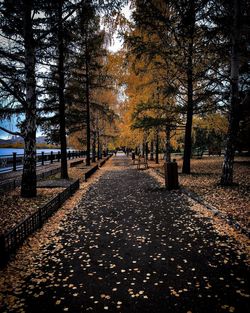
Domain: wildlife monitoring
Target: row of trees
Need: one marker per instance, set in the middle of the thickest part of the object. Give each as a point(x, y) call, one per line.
point(182, 59)
point(188, 58)
point(52, 63)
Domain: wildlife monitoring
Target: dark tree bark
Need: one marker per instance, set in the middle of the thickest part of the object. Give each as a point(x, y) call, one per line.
point(61, 87)
point(87, 107)
point(190, 101)
point(94, 147)
point(168, 154)
point(28, 185)
point(146, 150)
point(227, 170)
point(152, 150)
point(99, 149)
point(189, 122)
point(157, 147)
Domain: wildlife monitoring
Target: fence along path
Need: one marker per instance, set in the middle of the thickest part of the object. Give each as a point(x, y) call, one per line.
point(11, 240)
point(40, 169)
point(14, 162)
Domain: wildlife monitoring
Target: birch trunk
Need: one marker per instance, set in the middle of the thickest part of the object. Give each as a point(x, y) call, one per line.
point(227, 169)
point(28, 184)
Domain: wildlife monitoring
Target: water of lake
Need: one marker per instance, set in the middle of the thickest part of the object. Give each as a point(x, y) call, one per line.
point(9, 151)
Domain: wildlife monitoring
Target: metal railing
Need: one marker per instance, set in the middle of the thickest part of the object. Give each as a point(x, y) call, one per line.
point(11, 240)
point(14, 162)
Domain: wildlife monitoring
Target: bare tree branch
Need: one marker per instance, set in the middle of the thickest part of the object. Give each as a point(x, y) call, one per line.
point(11, 132)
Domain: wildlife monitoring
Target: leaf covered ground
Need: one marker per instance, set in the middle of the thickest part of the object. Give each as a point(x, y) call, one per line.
point(204, 179)
point(14, 208)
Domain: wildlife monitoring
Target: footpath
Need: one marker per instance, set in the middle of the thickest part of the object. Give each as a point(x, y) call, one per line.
point(129, 246)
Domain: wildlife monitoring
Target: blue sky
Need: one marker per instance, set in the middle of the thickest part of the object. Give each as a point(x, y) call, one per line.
point(9, 124)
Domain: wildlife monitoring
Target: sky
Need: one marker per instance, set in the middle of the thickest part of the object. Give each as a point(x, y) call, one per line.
point(9, 124)
point(117, 42)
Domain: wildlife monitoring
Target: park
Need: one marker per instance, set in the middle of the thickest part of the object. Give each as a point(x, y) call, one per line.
point(124, 156)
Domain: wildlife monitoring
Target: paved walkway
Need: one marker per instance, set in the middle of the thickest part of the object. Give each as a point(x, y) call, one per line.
point(130, 246)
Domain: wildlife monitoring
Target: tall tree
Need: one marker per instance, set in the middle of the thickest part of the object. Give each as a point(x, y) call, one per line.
point(28, 186)
point(24, 31)
point(233, 129)
point(81, 66)
point(56, 57)
point(61, 88)
point(23, 41)
point(174, 31)
point(88, 73)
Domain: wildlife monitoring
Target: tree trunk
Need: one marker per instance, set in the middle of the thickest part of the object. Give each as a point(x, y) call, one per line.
point(87, 106)
point(28, 184)
point(152, 150)
point(190, 102)
point(189, 122)
point(227, 169)
point(146, 150)
point(157, 147)
point(168, 153)
point(63, 141)
point(94, 148)
point(99, 152)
